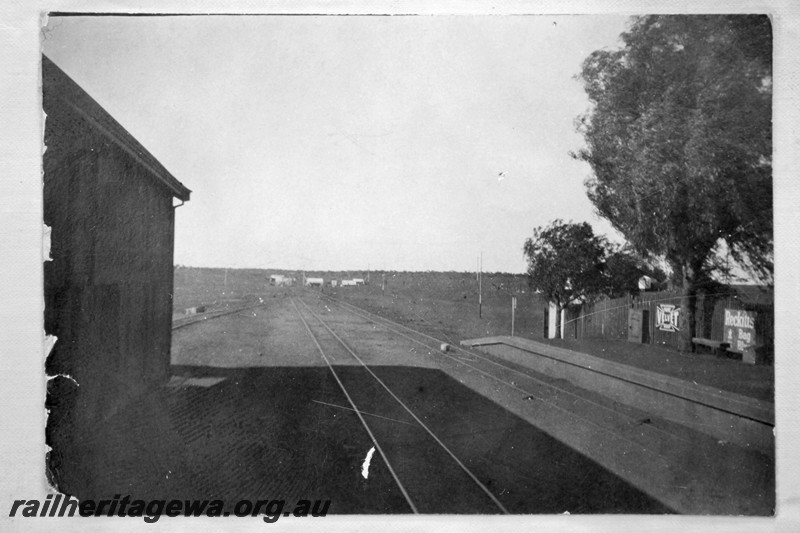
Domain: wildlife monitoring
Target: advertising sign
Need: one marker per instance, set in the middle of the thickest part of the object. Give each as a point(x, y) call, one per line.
point(740, 329)
point(667, 317)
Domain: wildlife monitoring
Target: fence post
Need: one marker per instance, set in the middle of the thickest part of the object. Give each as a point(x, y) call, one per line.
point(700, 315)
point(513, 312)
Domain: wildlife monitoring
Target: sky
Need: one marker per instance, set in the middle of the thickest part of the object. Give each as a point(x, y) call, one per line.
point(351, 142)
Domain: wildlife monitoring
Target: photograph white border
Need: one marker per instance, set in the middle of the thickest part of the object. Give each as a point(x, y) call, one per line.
point(22, 395)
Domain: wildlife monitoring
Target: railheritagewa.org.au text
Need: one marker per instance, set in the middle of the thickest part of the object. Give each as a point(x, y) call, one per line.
point(151, 510)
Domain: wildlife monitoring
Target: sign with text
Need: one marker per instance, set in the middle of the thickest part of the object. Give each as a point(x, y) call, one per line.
point(667, 317)
point(740, 329)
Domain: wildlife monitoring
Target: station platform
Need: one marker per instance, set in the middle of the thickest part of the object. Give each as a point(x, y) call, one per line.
point(728, 416)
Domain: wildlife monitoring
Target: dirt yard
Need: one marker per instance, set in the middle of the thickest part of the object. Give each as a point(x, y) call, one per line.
point(445, 305)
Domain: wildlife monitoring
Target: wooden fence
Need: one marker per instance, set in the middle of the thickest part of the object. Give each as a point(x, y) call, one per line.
point(608, 319)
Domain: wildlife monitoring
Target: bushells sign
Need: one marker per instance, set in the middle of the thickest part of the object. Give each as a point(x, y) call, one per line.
point(740, 329)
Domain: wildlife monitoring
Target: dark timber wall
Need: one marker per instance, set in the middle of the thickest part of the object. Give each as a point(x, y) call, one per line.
point(108, 288)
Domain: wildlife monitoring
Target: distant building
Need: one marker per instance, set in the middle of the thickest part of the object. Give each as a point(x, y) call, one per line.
point(108, 289)
point(314, 282)
point(279, 280)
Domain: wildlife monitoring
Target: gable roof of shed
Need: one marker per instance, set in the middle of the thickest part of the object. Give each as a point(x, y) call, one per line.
point(57, 86)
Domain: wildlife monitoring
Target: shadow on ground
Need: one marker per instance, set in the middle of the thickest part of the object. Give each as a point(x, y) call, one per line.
point(286, 433)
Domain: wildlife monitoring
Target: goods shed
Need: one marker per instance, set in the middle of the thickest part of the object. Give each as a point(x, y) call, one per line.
point(108, 288)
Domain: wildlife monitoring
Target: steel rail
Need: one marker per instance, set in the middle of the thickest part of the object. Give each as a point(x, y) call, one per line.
point(357, 411)
point(363, 313)
point(214, 315)
point(410, 412)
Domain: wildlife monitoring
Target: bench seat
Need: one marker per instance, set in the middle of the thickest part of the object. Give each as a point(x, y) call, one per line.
point(719, 347)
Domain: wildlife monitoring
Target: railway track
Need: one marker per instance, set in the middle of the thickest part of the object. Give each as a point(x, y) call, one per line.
point(488, 366)
point(362, 395)
point(183, 322)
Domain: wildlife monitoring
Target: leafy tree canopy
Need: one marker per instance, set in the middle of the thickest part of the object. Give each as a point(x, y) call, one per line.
point(679, 139)
point(565, 262)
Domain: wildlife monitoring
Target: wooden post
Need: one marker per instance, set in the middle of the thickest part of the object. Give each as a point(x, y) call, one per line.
point(513, 312)
point(480, 286)
point(583, 322)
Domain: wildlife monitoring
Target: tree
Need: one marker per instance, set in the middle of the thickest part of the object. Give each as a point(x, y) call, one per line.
point(624, 268)
point(679, 141)
point(565, 262)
